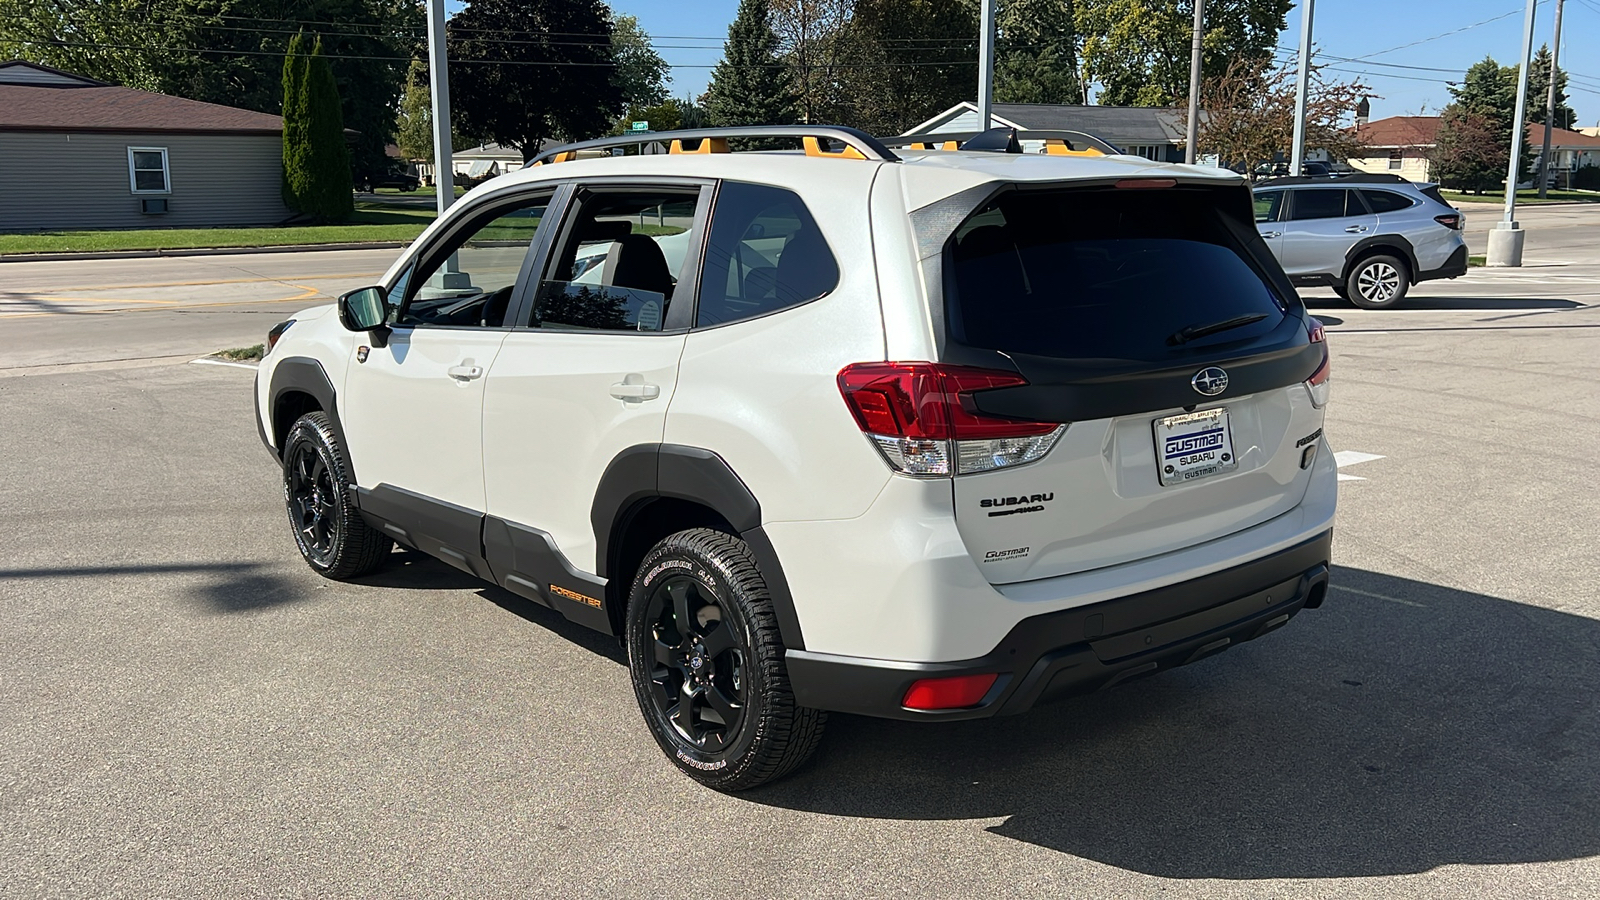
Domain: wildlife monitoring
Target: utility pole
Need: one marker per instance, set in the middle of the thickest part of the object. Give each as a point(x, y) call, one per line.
point(1550, 106)
point(986, 66)
point(439, 90)
point(1192, 136)
point(1506, 238)
point(449, 275)
point(1297, 150)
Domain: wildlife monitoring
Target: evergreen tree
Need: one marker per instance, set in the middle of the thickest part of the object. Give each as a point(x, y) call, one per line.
point(316, 162)
point(296, 122)
point(913, 59)
point(1538, 91)
point(750, 86)
point(1036, 53)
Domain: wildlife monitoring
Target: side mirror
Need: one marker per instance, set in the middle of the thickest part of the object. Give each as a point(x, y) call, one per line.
point(362, 309)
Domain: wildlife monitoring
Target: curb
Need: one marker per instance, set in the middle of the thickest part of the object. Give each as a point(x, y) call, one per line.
point(198, 251)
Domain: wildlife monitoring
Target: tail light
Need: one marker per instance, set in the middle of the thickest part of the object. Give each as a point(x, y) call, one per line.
point(1318, 382)
point(957, 692)
point(1451, 221)
point(922, 419)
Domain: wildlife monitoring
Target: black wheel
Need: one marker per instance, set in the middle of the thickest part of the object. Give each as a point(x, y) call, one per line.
point(1377, 282)
point(708, 664)
point(331, 535)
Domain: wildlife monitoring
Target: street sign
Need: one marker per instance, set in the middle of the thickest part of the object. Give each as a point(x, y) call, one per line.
point(639, 126)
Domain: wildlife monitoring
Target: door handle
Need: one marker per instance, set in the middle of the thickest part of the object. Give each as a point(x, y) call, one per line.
point(464, 373)
point(624, 390)
point(1271, 234)
point(1356, 229)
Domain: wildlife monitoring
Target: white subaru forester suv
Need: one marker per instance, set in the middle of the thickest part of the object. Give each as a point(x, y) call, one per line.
point(922, 434)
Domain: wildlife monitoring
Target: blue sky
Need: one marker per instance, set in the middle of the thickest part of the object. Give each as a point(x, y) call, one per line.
point(689, 35)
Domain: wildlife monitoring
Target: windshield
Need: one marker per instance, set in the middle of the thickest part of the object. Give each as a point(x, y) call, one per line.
point(1104, 273)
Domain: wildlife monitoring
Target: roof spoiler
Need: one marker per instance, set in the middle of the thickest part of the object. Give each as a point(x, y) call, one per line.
point(1007, 140)
point(715, 140)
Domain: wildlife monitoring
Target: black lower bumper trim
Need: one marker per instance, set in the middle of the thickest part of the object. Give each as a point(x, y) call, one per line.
point(1077, 651)
point(1454, 267)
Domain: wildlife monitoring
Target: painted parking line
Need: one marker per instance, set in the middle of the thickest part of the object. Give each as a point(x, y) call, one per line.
point(208, 361)
point(1344, 458)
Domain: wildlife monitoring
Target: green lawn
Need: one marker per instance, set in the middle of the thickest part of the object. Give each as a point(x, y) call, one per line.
point(372, 222)
point(1499, 197)
point(1475, 261)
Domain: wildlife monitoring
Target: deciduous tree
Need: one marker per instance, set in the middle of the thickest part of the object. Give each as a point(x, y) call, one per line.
point(1470, 154)
point(642, 75)
point(910, 59)
point(1138, 50)
point(524, 71)
point(1249, 114)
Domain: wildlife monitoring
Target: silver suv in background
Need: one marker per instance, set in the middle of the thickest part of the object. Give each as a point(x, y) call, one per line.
point(1369, 237)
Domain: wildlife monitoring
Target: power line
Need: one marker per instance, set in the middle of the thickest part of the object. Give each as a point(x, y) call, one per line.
point(1444, 35)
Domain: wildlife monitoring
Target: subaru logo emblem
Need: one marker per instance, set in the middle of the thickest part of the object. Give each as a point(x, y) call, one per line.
point(1210, 381)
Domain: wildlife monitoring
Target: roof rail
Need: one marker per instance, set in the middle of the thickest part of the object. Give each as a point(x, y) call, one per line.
point(1353, 178)
point(710, 140)
point(1076, 141)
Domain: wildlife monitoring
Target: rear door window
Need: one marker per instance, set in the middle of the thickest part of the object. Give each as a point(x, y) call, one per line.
point(1268, 205)
point(1386, 201)
point(765, 254)
point(1105, 274)
point(1323, 203)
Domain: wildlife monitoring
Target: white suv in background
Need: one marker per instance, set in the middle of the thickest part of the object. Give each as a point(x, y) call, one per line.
point(923, 434)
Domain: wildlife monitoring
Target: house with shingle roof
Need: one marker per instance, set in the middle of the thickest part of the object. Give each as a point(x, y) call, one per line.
point(1151, 132)
point(1402, 144)
point(82, 153)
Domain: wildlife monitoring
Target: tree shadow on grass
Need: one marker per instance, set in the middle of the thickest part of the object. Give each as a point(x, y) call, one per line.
point(1401, 727)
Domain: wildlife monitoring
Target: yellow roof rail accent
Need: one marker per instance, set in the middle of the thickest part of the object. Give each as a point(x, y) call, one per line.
point(814, 148)
point(947, 145)
point(1059, 148)
point(707, 145)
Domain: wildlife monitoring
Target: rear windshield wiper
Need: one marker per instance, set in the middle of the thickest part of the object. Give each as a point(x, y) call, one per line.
point(1190, 332)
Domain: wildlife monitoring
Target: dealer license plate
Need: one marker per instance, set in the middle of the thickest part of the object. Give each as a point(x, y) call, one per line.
point(1193, 446)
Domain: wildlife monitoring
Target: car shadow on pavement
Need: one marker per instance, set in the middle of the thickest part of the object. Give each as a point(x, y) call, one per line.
point(236, 587)
point(1401, 727)
point(1424, 302)
point(414, 570)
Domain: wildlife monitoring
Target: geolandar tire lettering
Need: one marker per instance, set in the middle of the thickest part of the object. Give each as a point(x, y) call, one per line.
point(332, 537)
point(707, 664)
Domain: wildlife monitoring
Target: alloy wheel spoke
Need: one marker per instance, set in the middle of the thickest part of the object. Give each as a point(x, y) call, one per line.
point(725, 706)
point(683, 713)
point(718, 640)
point(665, 654)
point(679, 592)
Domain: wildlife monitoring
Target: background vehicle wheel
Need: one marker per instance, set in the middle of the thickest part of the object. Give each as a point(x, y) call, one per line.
point(331, 535)
point(1377, 282)
point(708, 664)
point(1342, 291)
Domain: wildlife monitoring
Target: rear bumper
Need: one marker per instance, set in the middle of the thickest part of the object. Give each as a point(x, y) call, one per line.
point(1454, 267)
point(1085, 649)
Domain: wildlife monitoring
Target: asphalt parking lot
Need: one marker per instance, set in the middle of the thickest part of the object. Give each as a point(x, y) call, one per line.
point(189, 711)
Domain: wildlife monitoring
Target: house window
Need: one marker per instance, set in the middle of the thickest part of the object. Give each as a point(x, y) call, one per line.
point(147, 170)
point(1148, 151)
point(1396, 158)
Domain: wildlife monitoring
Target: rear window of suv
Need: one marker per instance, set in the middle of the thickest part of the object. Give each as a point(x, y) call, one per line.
point(1103, 273)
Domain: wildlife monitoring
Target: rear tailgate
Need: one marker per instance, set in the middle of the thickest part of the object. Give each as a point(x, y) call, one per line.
point(1155, 322)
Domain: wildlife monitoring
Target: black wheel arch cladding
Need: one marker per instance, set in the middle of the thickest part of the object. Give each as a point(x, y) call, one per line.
point(303, 375)
point(648, 472)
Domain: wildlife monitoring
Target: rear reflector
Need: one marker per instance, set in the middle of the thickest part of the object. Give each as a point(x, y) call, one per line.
point(958, 692)
point(921, 417)
point(1318, 382)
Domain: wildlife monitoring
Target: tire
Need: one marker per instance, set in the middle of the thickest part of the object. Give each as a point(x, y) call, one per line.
point(1377, 282)
point(741, 727)
point(332, 537)
point(1342, 291)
